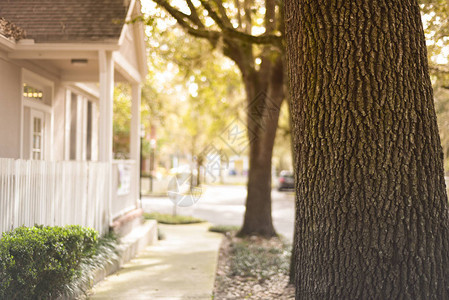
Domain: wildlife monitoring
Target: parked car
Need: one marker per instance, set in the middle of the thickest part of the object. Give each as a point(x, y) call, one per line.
point(286, 181)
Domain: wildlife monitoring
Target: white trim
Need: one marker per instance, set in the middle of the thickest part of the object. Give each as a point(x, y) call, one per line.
point(140, 46)
point(127, 19)
point(91, 93)
point(111, 45)
point(6, 44)
point(82, 90)
point(52, 54)
point(106, 68)
point(123, 33)
point(138, 42)
point(22, 115)
point(126, 69)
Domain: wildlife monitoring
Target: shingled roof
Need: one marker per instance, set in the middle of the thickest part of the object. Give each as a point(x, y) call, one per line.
point(67, 20)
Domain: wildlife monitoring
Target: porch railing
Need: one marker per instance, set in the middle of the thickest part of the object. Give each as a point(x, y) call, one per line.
point(54, 193)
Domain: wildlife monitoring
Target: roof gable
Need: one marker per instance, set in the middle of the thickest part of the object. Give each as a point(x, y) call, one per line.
point(67, 20)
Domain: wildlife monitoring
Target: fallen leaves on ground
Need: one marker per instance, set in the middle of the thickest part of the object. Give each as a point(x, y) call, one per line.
point(253, 268)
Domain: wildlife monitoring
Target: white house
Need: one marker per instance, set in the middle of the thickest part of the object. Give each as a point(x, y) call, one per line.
point(59, 61)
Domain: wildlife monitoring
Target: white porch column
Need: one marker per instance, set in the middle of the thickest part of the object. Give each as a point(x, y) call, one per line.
point(106, 65)
point(135, 135)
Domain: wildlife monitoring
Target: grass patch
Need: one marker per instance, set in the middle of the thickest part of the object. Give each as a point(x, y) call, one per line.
point(172, 220)
point(259, 259)
point(224, 228)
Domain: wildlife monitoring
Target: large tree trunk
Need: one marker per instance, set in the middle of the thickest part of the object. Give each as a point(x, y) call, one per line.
point(257, 220)
point(372, 210)
point(265, 94)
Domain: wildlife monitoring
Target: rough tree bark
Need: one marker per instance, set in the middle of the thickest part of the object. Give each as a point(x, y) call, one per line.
point(372, 210)
point(263, 86)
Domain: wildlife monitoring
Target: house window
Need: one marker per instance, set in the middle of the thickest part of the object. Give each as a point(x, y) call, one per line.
point(81, 138)
point(37, 93)
point(37, 135)
point(30, 92)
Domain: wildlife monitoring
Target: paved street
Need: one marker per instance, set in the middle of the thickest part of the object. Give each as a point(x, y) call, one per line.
point(225, 205)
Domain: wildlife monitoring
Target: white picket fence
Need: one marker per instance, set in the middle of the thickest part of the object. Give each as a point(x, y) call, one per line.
point(54, 193)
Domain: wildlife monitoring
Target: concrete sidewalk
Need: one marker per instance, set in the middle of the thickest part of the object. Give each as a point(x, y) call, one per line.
point(180, 267)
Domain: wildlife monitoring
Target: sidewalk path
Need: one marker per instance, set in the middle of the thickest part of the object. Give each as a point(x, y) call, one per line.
point(182, 266)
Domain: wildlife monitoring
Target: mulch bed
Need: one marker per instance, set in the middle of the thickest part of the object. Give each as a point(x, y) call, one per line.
point(236, 279)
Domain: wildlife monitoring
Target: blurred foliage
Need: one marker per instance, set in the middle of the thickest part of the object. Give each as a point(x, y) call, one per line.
point(442, 109)
point(191, 93)
point(435, 16)
point(121, 124)
point(282, 157)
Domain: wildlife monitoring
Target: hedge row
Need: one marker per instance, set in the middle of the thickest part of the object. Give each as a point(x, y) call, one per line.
point(38, 262)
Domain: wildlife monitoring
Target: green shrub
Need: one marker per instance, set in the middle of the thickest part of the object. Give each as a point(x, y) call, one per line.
point(106, 253)
point(171, 219)
point(37, 262)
